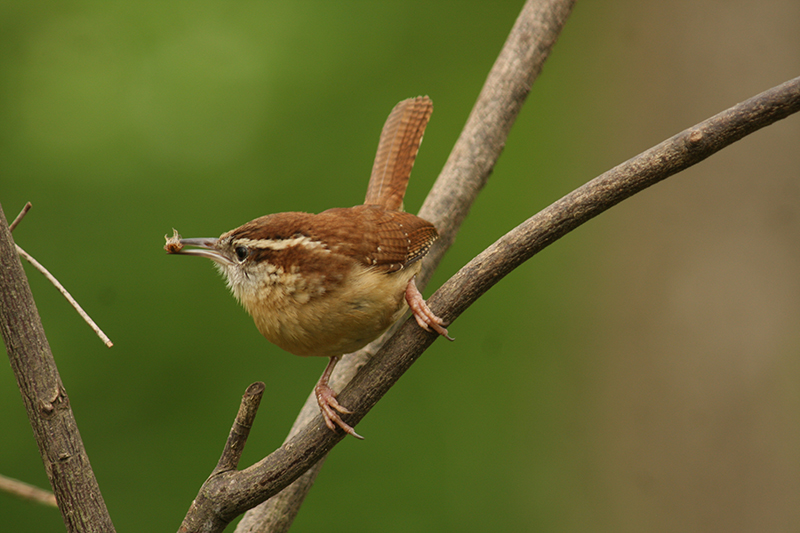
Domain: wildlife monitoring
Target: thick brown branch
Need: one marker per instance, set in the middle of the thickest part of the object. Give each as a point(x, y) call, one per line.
point(236, 492)
point(482, 140)
point(45, 398)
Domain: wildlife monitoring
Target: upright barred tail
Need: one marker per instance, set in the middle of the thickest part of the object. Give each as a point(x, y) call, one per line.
point(397, 149)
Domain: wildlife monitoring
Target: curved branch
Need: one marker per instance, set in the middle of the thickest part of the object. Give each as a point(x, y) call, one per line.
point(666, 159)
point(231, 493)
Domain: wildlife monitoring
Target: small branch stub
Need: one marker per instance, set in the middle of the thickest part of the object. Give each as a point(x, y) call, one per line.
point(240, 430)
point(20, 216)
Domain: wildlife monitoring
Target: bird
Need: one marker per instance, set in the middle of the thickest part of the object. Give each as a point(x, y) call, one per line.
point(327, 284)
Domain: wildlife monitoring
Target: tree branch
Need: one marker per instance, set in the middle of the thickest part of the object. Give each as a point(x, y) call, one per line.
point(221, 499)
point(65, 293)
point(237, 438)
point(20, 216)
point(45, 398)
point(27, 491)
point(666, 159)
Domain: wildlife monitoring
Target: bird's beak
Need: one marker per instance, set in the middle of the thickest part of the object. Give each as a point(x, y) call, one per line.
point(203, 247)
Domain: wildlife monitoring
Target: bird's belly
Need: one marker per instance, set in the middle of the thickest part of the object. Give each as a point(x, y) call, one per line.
point(342, 320)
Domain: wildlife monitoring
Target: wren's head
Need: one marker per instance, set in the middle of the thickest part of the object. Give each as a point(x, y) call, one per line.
point(262, 259)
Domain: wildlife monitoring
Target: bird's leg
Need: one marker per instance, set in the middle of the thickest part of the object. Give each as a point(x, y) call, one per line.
point(422, 313)
point(328, 403)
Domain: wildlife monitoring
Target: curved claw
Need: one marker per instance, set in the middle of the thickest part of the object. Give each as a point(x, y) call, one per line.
point(329, 407)
point(422, 313)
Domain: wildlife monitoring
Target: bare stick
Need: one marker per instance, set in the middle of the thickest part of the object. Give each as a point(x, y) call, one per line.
point(240, 430)
point(26, 491)
point(666, 159)
point(20, 216)
point(55, 282)
point(466, 172)
point(227, 495)
point(66, 295)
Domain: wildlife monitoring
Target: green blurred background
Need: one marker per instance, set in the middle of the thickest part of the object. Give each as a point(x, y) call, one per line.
point(642, 374)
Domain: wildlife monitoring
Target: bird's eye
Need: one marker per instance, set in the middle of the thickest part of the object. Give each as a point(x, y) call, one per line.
point(241, 253)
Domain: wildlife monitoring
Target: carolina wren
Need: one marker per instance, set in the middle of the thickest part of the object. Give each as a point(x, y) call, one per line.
point(327, 284)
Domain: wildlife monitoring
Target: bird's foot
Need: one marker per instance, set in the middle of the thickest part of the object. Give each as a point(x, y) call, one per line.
point(329, 407)
point(422, 313)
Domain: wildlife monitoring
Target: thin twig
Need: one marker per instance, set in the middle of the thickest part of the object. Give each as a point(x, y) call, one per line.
point(26, 491)
point(55, 282)
point(66, 295)
point(20, 216)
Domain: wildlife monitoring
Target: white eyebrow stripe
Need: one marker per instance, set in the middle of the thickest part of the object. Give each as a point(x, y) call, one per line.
point(282, 244)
